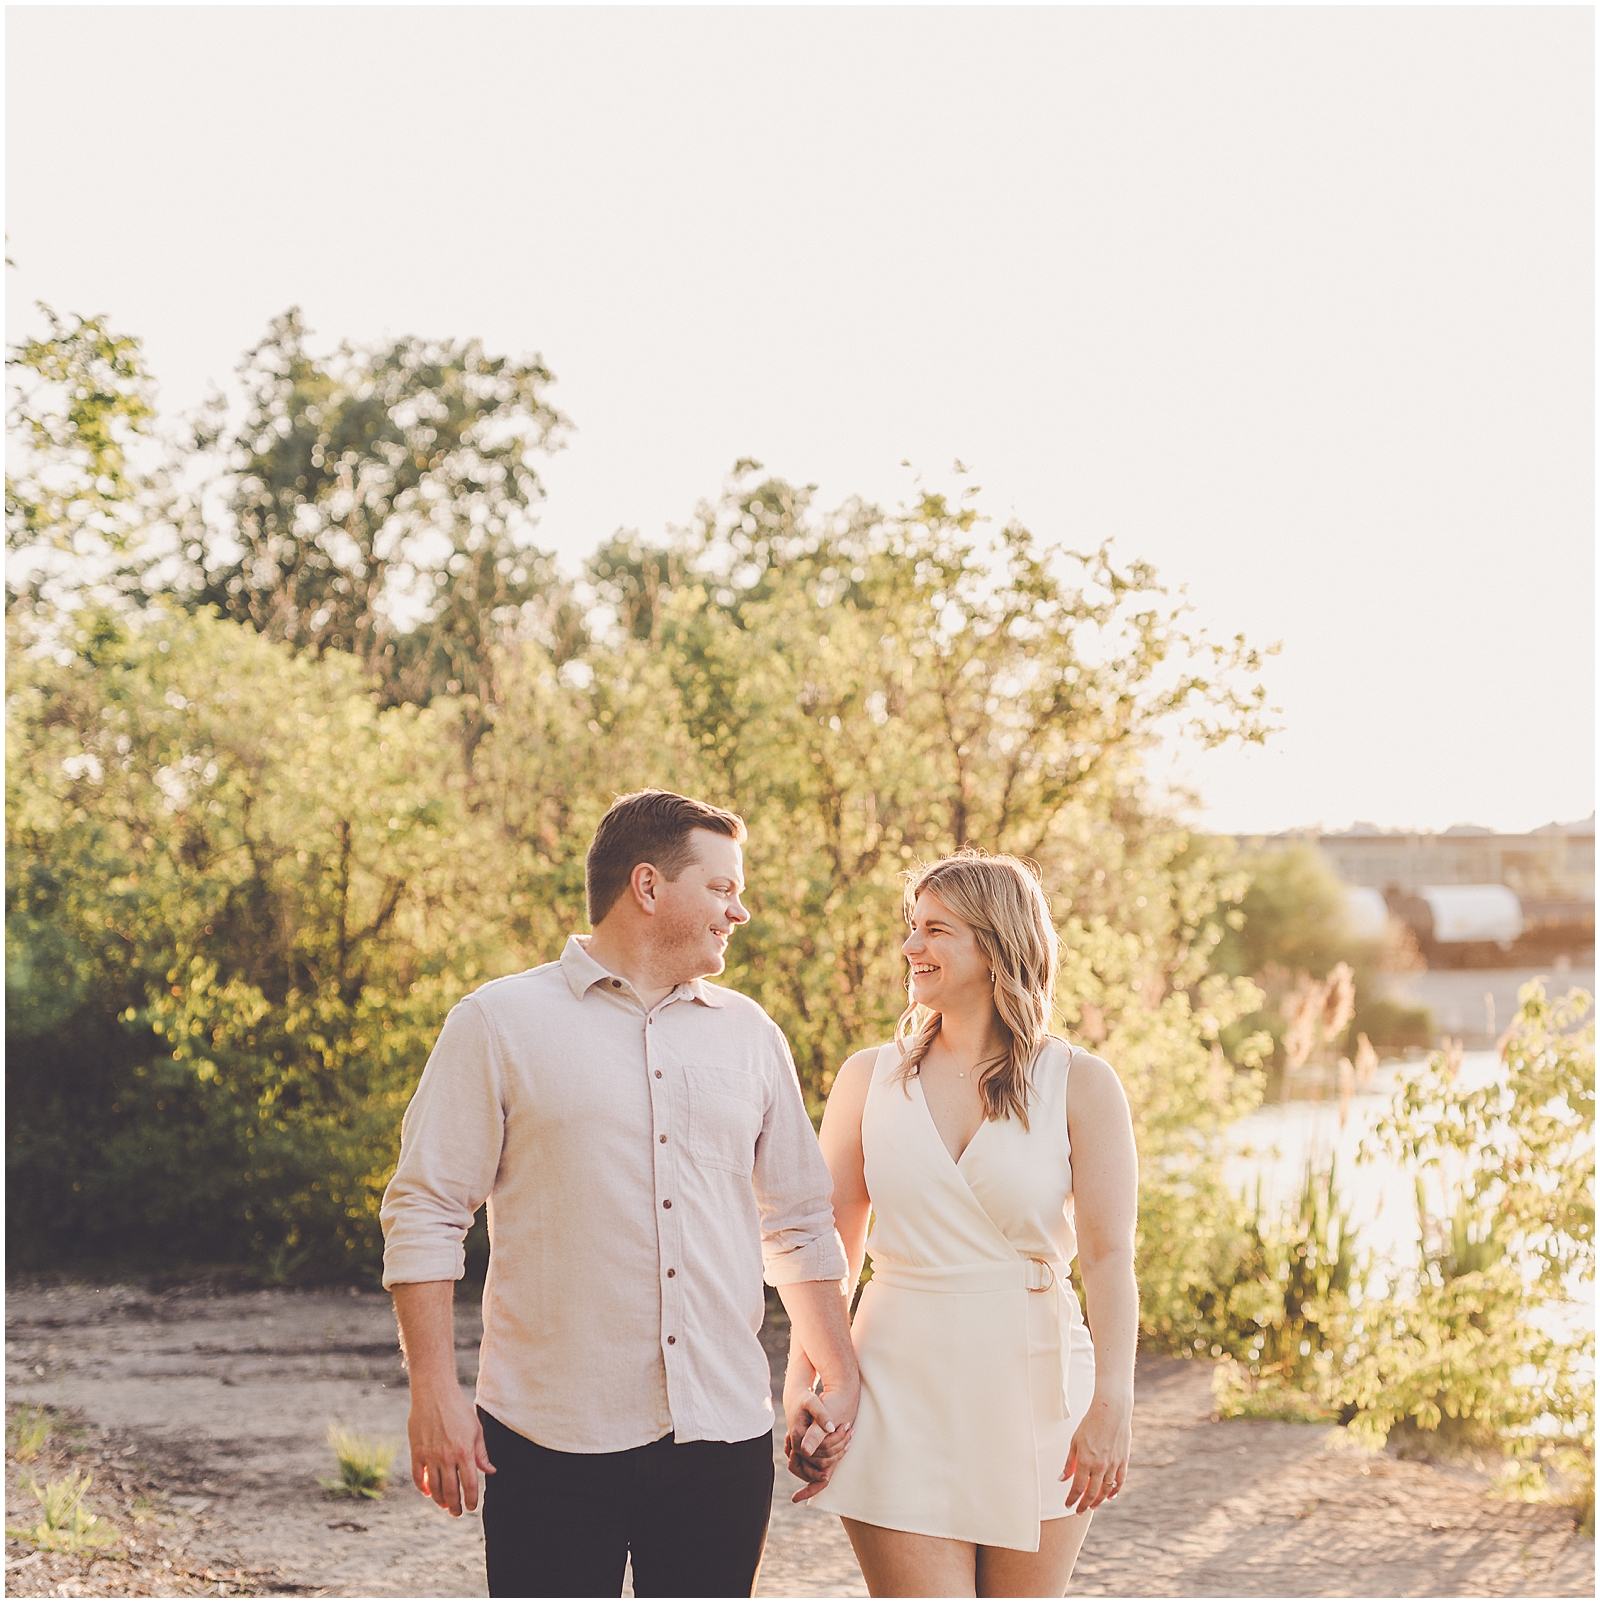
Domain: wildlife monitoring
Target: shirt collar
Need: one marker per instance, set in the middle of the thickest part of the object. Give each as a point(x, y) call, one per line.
point(582, 973)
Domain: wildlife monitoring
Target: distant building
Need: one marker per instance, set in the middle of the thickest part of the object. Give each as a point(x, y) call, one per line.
point(1472, 898)
point(1555, 863)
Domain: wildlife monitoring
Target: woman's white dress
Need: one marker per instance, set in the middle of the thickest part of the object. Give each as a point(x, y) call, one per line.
point(976, 1365)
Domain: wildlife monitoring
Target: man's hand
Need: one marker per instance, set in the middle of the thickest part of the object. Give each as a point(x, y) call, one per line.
point(818, 1427)
point(818, 1431)
point(447, 1447)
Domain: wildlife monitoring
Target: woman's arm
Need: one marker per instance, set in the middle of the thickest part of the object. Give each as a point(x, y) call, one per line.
point(841, 1147)
point(1105, 1185)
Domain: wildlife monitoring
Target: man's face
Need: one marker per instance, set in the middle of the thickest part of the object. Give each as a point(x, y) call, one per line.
point(697, 912)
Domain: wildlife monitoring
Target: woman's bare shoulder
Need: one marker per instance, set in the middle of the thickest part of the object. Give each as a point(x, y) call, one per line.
point(856, 1070)
point(1093, 1086)
point(860, 1065)
point(1079, 1059)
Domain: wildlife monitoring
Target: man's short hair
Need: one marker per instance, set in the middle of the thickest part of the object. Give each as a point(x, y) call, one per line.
point(650, 826)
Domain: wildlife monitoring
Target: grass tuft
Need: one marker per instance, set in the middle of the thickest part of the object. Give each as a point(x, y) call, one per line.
point(363, 1464)
point(28, 1431)
point(67, 1526)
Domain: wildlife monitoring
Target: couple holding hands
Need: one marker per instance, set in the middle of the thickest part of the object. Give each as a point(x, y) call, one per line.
point(644, 1149)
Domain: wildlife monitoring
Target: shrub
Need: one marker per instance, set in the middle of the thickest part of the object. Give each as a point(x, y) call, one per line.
point(363, 1464)
point(1480, 1343)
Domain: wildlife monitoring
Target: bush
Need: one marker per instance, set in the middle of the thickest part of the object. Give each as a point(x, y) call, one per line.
point(1480, 1344)
point(237, 914)
point(1393, 1026)
point(65, 1524)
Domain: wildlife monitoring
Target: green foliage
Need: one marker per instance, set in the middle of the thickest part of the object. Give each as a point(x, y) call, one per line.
point(1481, 1344)
point(65, 1525)
point(79, 504)
point(27, 1431)
point(363, 1464)
point(248, 872)
point(1521, 1147)
point(381, 505)
point(1290, 927)
point(1292, 914)
point(1484, 1344)
point(1394, 1026)
point(1288, 1298)
point(257, 876)
point(870, 690)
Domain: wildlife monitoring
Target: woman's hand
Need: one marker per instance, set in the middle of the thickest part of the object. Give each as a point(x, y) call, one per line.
point(1098, 1458)
point(817, 1430)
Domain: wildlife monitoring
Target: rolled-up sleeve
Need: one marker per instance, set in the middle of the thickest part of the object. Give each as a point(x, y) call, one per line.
point(450, 1145)
point(794, 1191)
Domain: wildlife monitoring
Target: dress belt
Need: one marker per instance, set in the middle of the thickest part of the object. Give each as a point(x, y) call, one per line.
point(1028, 1274)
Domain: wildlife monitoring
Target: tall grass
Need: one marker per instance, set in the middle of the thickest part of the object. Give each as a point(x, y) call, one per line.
point(1299, 1276)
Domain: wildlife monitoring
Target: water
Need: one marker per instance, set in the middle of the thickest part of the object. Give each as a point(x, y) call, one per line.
point(1272, 1145)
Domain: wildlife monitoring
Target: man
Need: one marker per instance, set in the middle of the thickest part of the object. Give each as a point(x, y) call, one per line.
point(642, 1142)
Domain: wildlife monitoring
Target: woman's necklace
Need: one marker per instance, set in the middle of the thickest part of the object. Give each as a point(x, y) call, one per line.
point(961, 1074)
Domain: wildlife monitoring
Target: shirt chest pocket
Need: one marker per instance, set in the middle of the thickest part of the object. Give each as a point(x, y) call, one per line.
point(724, 1117)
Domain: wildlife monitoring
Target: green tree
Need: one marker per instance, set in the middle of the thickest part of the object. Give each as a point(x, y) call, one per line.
point(871, 690)
point(874, 690)
point(381, 504)
point(1291, 925)
point(1292, 914)
point(236, 912)
point(81, 503)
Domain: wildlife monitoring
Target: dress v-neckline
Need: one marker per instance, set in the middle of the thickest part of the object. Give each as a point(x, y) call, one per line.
point(933, 1124)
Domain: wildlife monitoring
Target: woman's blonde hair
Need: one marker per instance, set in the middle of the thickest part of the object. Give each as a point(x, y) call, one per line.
point(1003, 901)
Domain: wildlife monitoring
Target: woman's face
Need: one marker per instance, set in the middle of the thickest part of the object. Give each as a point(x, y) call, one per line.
point(948, 968)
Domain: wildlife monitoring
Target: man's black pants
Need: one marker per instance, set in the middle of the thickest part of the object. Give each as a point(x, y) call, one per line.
point(693, 1515)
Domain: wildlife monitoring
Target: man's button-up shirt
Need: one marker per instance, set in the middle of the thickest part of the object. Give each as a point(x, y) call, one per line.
point(639, 1168)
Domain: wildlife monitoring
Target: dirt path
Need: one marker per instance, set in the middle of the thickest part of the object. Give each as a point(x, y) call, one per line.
point(203, 1417)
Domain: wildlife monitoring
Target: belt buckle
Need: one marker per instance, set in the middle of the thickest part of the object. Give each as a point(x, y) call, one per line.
point(1035, 1283)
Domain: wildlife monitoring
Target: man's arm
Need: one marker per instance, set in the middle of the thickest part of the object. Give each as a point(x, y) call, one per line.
point(450, 1151)
point(447, 1446)
point(819, 1325)
point(819, 1339)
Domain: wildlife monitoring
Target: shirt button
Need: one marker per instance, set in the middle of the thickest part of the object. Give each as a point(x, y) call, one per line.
point(617, 983)
point(667, 1203)
point(672, 1341)
point(671, 1273)
point(658, 1074)
point(663, 1140)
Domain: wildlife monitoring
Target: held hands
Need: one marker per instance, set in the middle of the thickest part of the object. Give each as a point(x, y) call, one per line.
point(1098, 1458)
point(447, 1446)
point(818, 1431)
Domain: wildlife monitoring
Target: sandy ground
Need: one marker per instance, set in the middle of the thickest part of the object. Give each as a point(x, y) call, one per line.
point(203, 1415)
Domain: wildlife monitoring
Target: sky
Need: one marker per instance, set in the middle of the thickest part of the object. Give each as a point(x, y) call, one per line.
point(1296, 304)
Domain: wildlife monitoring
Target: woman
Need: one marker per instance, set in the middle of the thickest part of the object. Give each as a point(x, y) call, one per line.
point(990, 1427)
